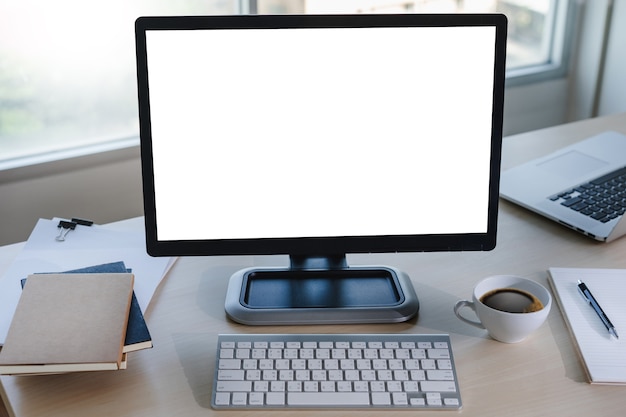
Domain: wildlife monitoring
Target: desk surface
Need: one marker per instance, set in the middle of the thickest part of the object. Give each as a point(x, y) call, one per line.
point(540, 376)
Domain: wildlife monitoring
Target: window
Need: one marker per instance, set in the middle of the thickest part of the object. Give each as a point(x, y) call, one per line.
point(536, 27)
point(67, 70)
point(67, 73)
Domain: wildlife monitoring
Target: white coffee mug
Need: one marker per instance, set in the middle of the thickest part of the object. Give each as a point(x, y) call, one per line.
point(507, 327)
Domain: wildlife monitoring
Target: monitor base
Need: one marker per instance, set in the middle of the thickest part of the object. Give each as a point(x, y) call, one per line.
point(284, 296)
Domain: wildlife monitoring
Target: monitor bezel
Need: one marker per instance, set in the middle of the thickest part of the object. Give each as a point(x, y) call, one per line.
point(306, 246)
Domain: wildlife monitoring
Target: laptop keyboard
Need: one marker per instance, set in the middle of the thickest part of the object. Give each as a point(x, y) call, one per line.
point(603, 198)
point(335, 371)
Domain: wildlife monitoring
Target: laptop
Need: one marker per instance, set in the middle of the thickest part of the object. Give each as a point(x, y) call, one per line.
point(582, 186)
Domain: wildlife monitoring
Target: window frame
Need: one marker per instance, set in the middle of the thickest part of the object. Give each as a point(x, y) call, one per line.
point(565, 14)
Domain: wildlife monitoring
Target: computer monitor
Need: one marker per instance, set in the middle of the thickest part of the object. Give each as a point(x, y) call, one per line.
point(317, 136)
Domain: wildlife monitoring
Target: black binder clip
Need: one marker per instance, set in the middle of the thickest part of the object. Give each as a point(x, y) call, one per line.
point(64, 228)
point(82, 222)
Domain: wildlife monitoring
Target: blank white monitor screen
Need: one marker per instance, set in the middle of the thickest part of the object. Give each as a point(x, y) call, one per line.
point(308, 132)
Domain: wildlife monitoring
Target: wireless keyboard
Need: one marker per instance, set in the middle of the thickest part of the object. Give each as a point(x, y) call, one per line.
point(335, 371)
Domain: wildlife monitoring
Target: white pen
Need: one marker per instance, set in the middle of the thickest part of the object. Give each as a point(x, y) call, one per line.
point(584, 291)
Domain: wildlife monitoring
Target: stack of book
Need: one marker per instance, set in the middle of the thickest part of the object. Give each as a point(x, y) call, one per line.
point(81, 320)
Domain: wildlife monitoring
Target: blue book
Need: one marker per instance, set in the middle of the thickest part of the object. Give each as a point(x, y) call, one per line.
point(137, 334)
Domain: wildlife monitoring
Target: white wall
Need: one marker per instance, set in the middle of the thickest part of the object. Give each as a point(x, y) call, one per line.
point(597, 86)
point(612, 98)
point(535, 106)
point(104, 189)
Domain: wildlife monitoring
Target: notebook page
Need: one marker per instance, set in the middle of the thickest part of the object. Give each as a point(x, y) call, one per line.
point(602, 354)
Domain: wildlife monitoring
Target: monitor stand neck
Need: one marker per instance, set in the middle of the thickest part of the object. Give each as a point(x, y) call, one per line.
point(318, 262)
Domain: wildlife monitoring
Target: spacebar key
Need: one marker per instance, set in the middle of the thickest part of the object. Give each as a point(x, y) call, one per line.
point(328, 398)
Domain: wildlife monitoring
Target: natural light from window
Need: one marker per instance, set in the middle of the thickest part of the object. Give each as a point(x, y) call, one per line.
point(67, 67)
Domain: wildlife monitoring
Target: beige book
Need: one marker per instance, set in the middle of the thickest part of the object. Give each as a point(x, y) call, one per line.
point(67, 323)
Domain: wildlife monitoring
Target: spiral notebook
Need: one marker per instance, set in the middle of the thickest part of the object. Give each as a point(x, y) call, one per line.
point(603, 356)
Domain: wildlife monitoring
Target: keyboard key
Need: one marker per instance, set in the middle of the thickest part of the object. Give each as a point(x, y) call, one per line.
point(420, 402)
point(230, 364)
point(234, 386)
point(231, 375)
point(227, 353)
point(454, 402)
point(438, 386)
point(294, 386)
point(261, 386)
point(444, 364)
point(328, 398)
point(256, 398)
point(410, 386)
point(240, 398)
point(275, 398)
point(381, 398)
point(400, 398)
point(438, 353)
point(277, 386)
point(440, 375)
point(433, 398)
point(428, 364)
point(222, 398)
point(571, 201)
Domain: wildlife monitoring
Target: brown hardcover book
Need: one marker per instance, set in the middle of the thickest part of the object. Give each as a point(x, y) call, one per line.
point(68, 323)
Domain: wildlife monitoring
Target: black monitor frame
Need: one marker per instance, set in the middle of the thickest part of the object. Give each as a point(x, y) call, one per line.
point(331, 250)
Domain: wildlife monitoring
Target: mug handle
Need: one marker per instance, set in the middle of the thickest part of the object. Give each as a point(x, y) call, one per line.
point(466, 303)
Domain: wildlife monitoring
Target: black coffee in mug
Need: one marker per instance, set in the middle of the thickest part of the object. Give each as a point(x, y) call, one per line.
point(511, 300)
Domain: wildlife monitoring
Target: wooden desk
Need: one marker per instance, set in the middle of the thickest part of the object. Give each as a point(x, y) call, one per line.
point(540, 376)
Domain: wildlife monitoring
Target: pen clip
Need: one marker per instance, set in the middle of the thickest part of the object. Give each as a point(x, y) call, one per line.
point(581, 287)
